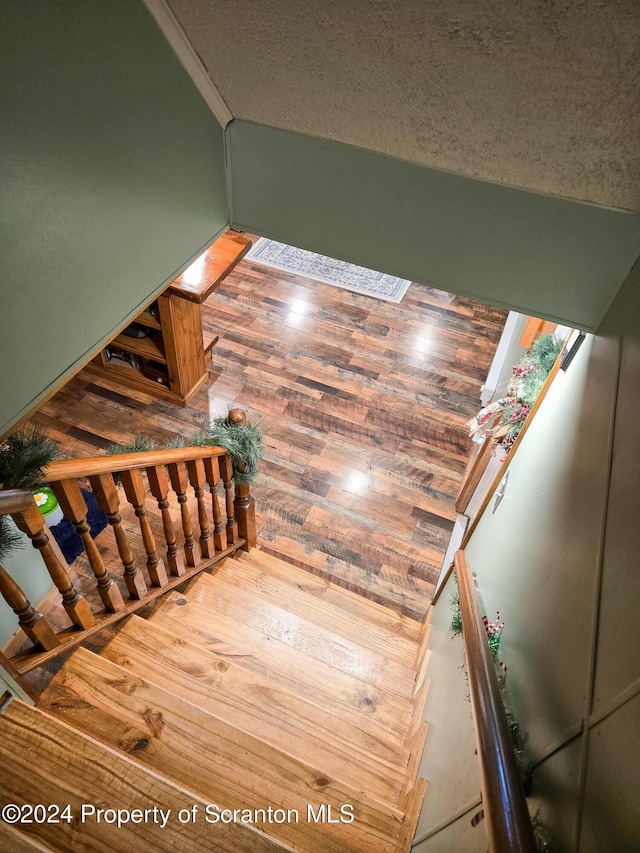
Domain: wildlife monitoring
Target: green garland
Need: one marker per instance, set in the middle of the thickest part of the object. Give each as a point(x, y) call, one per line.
point(456, 613)
point(529, 376)
point(10, 540)
point(23, 457)
point(244, 442)
point(139, 444)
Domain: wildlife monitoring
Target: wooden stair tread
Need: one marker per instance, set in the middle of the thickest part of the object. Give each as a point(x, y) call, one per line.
point(314, 641)
point(411, 807)
point(218, 762)
point(46, 761)
point(259, 706)
point(12, 839)
point(313, 599)
point(372, 611)
point(361, 704)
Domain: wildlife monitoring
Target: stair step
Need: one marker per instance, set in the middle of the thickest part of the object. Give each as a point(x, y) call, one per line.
point(46, 761)
point(297, 632)
point(378, 614)
point(363, 705)
point(220, 763)
point(324, 604)
point(411, 807)
point(258, 705)
point(12, 839)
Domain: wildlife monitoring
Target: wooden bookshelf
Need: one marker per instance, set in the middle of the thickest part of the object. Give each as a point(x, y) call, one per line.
point(169, 361)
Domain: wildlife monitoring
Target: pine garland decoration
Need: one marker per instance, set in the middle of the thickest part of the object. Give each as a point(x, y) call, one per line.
point(175, 443)
point(545, 350)
point(10, 539)
point(244, 442)
point(456, 613)
point(23, 457)
point(532, 386)
point(529, 376)
point(139, 444)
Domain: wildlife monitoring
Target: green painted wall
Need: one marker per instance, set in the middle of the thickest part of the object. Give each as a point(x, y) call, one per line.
point(112, 179)
point(449, 762)
point(558, 559)
point(535, 254)
point(26, 567)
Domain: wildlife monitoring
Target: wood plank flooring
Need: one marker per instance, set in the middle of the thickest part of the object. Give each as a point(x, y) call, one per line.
point(362, 404)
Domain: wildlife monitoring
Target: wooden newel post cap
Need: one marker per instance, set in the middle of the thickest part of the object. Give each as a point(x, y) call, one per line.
point(237, 416)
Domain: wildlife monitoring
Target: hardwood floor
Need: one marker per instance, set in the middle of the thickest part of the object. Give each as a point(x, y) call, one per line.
point(362, 404)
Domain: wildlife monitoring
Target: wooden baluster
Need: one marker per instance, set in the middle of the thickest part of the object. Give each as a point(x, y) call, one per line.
point(107, 498)
point(74, 507)
point(195, 468)
point(159, 485)
point(33, 623)
point(179, 483)
point(31, 522)
point(245, 508)
point(226, 472)
point(136, 495)
point(212, 472)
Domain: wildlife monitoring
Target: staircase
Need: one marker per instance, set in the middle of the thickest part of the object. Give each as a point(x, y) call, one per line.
point(262, 709)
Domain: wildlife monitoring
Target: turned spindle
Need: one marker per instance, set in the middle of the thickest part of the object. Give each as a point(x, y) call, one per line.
point(136, 495)
point(195, 468)
point(159, 485)
point(179, 484)
point(74, 507)
point(107, 498)
point(31, 522)
point(226, 472)
point(212, 472)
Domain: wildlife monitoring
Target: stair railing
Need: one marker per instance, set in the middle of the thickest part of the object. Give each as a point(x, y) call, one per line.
point(161, 556)
point(509, 828)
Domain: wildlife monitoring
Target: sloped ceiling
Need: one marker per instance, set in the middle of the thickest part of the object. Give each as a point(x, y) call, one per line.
point(538, 94)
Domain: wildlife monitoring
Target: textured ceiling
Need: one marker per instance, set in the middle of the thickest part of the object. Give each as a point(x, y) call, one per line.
point(541, 94)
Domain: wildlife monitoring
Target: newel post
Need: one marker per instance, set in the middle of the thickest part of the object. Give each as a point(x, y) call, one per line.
point(244, 504)
point(245, 515)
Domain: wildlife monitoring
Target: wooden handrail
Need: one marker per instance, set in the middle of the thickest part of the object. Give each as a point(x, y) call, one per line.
point(15, 500)
point(73, 469)
point(508, 823)
point(172, 557)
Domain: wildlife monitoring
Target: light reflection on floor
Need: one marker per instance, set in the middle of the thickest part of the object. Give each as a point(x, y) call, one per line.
point(357, 483)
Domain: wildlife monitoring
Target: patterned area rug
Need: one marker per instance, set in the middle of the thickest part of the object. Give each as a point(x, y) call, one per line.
point(328, 270)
